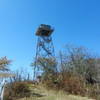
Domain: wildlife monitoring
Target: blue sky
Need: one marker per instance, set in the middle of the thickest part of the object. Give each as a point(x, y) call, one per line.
point(75, 21)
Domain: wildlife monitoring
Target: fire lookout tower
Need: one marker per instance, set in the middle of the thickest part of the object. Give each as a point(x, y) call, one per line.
point(45, 48)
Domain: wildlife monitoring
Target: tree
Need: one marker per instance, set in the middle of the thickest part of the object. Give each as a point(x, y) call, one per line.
point(79, 61)
point(4, 64)
point(48, 67)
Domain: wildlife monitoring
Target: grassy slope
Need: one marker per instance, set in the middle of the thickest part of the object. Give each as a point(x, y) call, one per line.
point(42, 94)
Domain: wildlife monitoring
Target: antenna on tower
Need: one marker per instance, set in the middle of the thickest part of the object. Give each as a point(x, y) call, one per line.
point(45, 48)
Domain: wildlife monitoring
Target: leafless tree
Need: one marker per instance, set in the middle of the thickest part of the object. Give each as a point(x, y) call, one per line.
point(78, 60)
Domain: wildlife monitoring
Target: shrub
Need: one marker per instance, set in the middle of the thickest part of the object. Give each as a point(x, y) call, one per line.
point(70, 83)
point(73, 84)
point(94, 91)
point(17, 90)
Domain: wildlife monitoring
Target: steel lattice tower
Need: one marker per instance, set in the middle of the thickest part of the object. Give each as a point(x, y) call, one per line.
point(45, 48)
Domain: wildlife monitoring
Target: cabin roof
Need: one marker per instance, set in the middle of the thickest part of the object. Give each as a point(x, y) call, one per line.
point(44, 30)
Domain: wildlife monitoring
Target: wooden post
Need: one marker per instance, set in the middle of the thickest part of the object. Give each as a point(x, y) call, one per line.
point(2, 86)
point(3, 77)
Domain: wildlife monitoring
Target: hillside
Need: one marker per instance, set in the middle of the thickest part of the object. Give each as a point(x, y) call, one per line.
point(40, 93)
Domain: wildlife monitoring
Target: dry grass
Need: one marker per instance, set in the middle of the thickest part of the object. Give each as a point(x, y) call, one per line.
point(41, 93)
